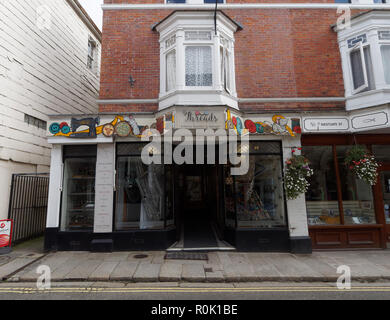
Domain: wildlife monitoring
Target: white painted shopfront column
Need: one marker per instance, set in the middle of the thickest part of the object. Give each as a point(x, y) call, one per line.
point(296, 209)
point(104, 188)
point(55, 187)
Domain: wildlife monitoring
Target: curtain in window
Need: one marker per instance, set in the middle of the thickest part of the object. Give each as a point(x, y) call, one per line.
point(225, 71)
point(198, 66)
point(171, 70)
point(385, 50)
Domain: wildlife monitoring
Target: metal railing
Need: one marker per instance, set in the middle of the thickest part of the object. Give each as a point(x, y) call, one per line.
point(28, 205)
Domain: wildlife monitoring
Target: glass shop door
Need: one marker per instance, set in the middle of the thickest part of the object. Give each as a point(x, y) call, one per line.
point(384, 180)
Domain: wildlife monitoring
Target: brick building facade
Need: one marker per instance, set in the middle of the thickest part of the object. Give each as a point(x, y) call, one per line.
point(289, 78)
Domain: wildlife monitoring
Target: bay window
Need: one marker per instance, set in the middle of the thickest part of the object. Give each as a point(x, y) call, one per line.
point(365, 54)
point(197, 59)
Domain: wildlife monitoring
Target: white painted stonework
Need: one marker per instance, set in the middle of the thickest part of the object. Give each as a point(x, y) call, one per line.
point(43, 71)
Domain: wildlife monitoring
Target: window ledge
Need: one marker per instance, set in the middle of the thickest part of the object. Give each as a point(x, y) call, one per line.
point(368, 99)
point(201, 96)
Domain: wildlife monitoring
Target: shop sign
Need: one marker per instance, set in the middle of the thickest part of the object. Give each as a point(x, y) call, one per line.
point(199, 119)
point(277, 125)
point(326, 124)
point(5, 233)
point(370, 120)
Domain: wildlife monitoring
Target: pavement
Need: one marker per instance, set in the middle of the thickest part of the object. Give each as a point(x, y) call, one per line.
point(221, 267)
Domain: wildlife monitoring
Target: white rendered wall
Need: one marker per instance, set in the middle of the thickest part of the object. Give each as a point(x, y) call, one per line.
point(43, 71)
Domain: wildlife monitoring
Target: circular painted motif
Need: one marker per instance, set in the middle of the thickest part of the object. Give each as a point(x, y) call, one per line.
point(123, 129)
point(65, 129)
point(54, 128)
point(108, 130)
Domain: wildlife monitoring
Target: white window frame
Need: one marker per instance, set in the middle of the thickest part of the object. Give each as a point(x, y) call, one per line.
point(91, 57)
point(199, 43)
point(359, 46)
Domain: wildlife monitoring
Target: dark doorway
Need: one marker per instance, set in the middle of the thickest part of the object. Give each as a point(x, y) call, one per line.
point(197, 204)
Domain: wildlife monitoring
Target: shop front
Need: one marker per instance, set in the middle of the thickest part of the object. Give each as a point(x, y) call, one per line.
point(344, 211)
point(104, 197)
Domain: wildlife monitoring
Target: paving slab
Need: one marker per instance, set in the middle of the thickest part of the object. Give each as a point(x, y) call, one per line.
point(171, 271)
point(193, 273)
point(215, 276)
point(124, 271)
point(146, 272)
point(152, 285)
point(103, 271)
point(82, 270)
point(15, 265)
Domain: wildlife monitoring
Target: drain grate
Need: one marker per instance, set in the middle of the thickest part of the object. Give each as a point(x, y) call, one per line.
point(140, 256)
point(186, 256)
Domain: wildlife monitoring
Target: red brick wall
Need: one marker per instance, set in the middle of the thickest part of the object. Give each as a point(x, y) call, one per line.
point(279, 53)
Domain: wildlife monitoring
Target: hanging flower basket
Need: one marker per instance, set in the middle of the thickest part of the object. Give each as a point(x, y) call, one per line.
point(362, 164)
point(296, 176)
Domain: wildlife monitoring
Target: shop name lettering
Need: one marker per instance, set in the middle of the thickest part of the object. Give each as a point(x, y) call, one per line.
point(200, 116)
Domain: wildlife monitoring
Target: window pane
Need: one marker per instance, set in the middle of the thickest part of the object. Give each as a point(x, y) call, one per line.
point(213, 1)
point(260, 197)
point(322, 205)
point(230, 211)
point(358, 203)
point(384, 179)
point(171, 70)
point(78, 197)
point(139, 200)
point(381, 152)
point(176, 1)
point(198, 66)
point(357, 69)
point(385, 50)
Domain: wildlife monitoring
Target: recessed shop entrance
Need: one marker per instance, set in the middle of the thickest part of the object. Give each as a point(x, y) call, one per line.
point(199, 215)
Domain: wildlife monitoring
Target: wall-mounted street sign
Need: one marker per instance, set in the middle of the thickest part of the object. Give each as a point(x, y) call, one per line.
point(371, 120)
point(320, 124)
point(5, 236)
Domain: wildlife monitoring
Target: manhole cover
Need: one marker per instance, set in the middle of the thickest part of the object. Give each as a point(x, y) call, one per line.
point(186, 256)
point(140, 256)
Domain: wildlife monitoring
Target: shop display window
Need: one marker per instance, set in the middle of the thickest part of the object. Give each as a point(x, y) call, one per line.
point(140, 192)
point(78, 196)
point(321, 199)
point(229, 195)
point(358, 202)
point(381, 152)
point(259, 194)
point(336, 196)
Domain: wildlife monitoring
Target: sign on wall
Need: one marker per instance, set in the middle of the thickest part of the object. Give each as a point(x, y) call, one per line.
point(326, 124)
point(5, 234)
point(370, 120)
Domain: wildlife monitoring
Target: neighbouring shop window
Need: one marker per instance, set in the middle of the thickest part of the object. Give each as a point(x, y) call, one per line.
point(229, 196)
point(169, 195)
point(139, 191)
point(260, 201)
point(381, 152)
point(348, 200)
point(321, 199)
point(358, 202)
point(78, 196)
